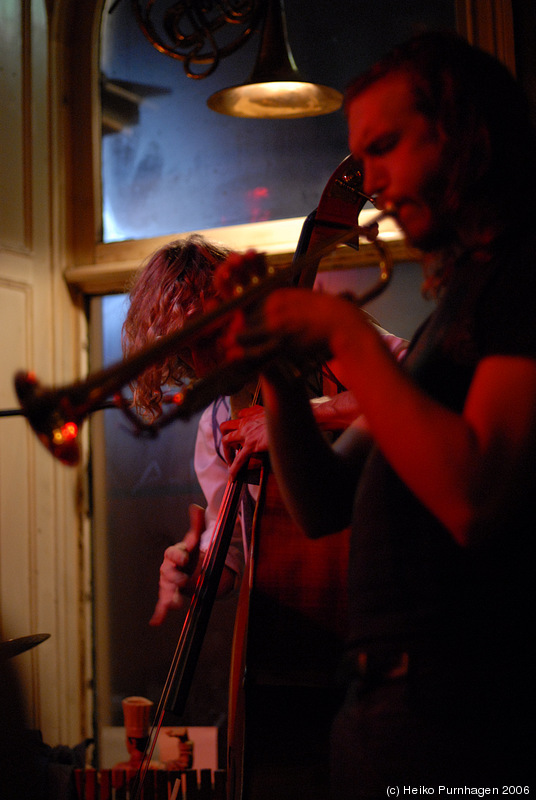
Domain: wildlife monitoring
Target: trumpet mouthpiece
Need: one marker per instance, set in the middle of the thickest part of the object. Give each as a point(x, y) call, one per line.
point(388, 210)
point(371, 229)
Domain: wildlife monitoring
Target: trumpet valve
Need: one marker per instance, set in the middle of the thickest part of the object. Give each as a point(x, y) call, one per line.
point(241, 272)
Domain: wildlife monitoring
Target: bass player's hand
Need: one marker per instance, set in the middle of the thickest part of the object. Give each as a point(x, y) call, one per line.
point(178, 566)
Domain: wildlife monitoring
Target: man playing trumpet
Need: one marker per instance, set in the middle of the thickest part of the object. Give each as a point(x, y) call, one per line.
point(438, 474)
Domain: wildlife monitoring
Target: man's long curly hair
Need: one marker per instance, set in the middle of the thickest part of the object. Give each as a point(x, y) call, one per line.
point(173, 284)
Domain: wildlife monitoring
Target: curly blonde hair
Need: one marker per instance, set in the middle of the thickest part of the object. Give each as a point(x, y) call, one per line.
point(171, 285)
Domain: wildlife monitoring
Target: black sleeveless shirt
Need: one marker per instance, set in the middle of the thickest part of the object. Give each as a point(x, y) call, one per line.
point(408, 579)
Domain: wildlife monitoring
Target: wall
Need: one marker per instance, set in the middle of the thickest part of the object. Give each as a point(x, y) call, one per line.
point(42, 533)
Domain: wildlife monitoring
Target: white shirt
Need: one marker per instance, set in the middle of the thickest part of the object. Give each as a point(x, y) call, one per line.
point(213, 474)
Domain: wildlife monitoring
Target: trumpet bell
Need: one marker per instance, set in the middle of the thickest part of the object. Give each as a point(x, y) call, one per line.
point(51, 417)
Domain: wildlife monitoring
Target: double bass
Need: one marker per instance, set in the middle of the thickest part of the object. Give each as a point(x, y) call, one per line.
point(291, 615)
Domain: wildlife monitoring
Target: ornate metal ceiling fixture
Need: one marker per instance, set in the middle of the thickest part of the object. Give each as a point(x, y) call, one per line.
point(198, 32)
point(276, 89)
point(202, 32)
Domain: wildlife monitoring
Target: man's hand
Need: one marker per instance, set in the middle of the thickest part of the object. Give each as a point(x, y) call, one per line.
point(243, 436)
point(180, 561)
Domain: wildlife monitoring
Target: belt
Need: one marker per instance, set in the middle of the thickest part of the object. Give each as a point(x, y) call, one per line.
point(373, 667)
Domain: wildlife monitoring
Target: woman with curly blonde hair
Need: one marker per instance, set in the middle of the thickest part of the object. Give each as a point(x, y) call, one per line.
point(172, 285)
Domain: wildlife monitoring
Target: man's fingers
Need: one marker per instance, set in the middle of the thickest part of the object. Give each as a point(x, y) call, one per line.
point(197, 518)
point(165, 601)
point(241, 458)
point(159, 613)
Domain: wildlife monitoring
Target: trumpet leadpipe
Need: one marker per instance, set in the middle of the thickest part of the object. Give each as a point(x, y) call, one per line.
point(56, 414)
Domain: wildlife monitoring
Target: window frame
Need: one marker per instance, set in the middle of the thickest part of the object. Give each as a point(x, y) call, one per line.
point(98, 268)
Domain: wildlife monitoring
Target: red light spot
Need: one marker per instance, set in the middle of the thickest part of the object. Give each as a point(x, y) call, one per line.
point(255, 200)
point(69, 431)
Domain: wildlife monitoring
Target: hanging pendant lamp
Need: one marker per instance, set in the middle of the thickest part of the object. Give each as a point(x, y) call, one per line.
point(275, 89)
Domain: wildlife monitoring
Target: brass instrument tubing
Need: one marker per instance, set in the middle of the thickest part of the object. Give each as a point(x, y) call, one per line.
point(46, 408)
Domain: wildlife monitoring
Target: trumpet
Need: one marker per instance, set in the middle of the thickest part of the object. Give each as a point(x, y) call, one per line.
point(56, 414)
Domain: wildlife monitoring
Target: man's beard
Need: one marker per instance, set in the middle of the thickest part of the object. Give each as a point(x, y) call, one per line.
point(438, 196)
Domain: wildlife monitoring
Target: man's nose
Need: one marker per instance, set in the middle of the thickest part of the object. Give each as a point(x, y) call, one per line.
point(375, 179)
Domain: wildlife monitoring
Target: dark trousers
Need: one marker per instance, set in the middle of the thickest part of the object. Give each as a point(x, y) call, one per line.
point(429, 728)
